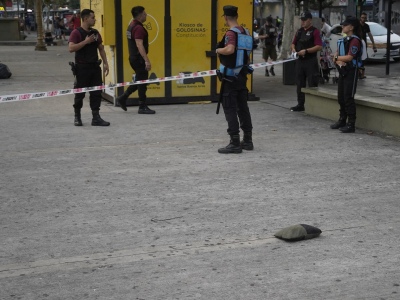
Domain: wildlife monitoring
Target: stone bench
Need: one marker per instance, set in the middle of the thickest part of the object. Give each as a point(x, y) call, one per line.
point(374, 112)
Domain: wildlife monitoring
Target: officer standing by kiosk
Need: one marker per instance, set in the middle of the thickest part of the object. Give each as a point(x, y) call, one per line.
point(234, 54)
point(306, 43)
point(348, 60)
point(138, 44)
point(85, 42)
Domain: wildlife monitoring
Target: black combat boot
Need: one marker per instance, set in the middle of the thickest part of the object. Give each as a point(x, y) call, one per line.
point(77, 121)
point(143, 109)
point(349, 128)
point(97, 120)
point(122, 101)
point(340, 123)
point(272, 71)
point(266, 72)
point(247, 142)
point(233, 147)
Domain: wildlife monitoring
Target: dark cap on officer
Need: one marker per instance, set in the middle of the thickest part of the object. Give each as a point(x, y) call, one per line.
point(305, 15)
point(350, 21)
point(230, 11)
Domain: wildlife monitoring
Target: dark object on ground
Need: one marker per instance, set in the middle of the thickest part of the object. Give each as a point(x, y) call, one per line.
point(5, 72)
point(298, 232)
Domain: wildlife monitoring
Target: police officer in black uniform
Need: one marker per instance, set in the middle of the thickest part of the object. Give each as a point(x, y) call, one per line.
point(138, 44)
point(234, 89)
point(306, 43)
point(85, 42)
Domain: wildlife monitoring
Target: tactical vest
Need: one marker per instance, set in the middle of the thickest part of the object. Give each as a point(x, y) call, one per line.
point(343, 48)
point(88, 54)
point(232, 64)
point(305, 40)
point(133, 49)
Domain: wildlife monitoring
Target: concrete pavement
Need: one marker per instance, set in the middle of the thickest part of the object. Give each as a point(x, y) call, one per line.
point(147, 208)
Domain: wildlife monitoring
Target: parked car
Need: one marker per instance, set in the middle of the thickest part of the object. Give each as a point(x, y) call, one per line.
point(379, 33)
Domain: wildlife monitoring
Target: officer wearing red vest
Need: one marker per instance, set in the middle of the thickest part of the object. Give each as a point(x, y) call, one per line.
point(234, 51)
point(85, 42)
point(138, 44)
point(306, 43)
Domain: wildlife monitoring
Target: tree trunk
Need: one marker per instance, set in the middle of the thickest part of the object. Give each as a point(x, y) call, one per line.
point(288, 28)
point(40, 46)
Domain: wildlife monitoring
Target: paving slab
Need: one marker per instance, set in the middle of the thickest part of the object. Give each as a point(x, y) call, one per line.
point(147, 208)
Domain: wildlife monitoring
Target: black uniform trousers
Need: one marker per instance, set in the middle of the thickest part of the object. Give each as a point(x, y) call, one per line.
point(234, 102)
point(88, 75)
point(347, 85)
point(139, 66)
point(307, 71)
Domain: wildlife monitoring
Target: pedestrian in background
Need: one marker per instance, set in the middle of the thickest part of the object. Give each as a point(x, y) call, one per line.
point(306, 43)
point(138, 44)
point(86, 42)
point(326, 28)
point(76, 20)
point(234, 58)
point(347, 59)
point(365, 30)
point(268, 36)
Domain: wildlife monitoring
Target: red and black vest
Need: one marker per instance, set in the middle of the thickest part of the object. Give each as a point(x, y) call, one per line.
point(305, 40)
point(133, 49)
point(88, 54)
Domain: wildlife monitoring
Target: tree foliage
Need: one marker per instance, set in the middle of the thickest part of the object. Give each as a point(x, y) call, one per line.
point(319, 4)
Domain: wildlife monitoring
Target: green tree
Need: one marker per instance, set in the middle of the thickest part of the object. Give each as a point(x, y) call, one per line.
point(74, 4)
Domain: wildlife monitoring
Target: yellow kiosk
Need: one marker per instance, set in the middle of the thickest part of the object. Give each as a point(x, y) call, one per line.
point(182, 36)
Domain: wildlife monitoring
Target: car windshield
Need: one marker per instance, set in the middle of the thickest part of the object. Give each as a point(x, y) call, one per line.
point(377, 29)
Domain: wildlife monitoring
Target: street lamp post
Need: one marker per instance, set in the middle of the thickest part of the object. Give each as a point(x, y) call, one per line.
point(40, 45)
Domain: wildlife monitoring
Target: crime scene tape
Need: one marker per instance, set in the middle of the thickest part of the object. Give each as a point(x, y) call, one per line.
point(48, 94)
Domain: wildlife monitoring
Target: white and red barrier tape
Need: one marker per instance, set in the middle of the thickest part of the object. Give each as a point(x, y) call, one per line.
point(38, 95)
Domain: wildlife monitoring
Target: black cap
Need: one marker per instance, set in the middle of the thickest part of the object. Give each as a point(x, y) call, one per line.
point(230, 11)
point(305, 15)
point(350, 21)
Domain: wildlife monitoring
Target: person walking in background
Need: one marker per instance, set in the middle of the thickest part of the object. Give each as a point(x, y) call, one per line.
point(56, 26)
point(138, 44)
point(234, 54)
point(326, 28)
point(347, 59)
point(62, 28)
point(86, 41)
point(278, 22)
point(76, 20)
point(365, 30)
point(306, 43)
point(27, 24)
point(268, 36)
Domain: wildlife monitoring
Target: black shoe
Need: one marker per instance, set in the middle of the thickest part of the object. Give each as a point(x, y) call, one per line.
point(78, 121)
point(247, 142)
point(266, 73)
point(349, 128)
point(98, 121)
point(122, 101)
point(297, 108)
point(143, 109)
point(233, 146)
point(340, 123)
point(272, 71)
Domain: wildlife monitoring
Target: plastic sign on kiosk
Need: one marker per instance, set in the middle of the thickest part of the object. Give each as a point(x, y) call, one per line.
point(182, 39)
